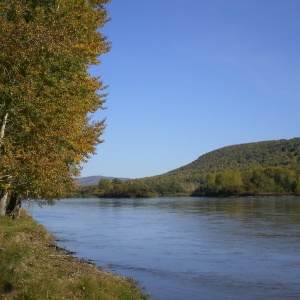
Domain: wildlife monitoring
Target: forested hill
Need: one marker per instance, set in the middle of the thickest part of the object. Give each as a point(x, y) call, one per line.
point(243, 157)
point(261, 168)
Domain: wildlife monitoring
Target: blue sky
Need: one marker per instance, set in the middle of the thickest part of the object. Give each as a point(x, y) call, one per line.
point(189, 76)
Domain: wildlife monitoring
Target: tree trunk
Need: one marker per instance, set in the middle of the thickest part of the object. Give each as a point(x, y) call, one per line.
point(13, 204)
point(3, 200)
point(4, 193)
point(2, 130)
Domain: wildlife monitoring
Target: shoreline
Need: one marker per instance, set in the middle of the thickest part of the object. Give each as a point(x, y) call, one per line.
point(33, 266)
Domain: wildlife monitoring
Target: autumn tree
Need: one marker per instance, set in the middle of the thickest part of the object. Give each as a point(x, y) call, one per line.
point(47, 95)
point(229, 182)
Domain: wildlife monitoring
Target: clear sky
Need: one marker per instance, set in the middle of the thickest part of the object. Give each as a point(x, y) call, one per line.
point(189, 76)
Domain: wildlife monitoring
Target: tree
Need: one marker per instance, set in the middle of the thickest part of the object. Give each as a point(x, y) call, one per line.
point(105, 186)
point(263, 182)
point(229, 182)
point(117, 181)
point(47, 96)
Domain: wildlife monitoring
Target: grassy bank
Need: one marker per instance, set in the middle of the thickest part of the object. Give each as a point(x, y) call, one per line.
point(33, 267)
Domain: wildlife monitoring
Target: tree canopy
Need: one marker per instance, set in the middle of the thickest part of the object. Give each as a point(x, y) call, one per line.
point(47, 95)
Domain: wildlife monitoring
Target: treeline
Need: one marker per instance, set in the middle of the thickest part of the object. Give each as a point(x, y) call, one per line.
point(264, 181)
point(116, 188)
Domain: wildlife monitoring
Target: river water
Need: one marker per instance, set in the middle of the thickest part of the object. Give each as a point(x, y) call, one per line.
point(187, 248)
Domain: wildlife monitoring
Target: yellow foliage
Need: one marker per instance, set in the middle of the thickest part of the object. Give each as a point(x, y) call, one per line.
point(48, 93)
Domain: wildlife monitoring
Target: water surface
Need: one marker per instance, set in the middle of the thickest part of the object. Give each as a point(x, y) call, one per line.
point(187, 248)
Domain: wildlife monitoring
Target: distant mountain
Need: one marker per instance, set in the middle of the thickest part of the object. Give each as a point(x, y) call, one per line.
point(91, 180)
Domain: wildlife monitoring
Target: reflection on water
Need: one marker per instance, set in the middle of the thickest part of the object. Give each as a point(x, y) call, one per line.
point(188, 248)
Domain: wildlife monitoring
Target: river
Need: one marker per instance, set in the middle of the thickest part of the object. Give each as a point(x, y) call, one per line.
point(187, 248)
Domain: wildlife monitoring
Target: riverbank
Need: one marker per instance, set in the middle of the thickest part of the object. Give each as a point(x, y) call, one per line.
point(33, 267)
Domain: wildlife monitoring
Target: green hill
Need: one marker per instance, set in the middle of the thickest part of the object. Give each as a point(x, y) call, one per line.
point(268, 167)
point(279, 154)
point(247, 156)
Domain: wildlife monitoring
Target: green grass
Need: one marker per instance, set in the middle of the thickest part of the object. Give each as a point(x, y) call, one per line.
point(32, 267)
